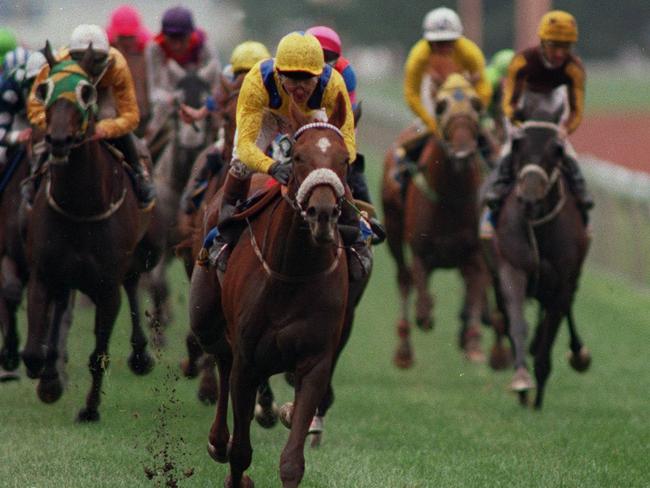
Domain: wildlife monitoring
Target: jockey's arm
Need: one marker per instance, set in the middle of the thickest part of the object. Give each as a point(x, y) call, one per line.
point(156, 71)
point(251, 106)
point(10, 101)
point(576, 91)
point(513, 86)
point(350, 79)
point(472, 59)
point(335, 86)
point(416, 65)
point(118, 77)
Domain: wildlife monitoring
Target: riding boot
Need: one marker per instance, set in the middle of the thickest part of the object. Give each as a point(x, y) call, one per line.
point(192, 198)
point(578, 186)
point(359, 187)
point(355, 241)
point(235, 189)
point(145, 191)
point(501, 183)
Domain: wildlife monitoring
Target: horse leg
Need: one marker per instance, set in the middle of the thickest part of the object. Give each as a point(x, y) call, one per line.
point(549, 328)
point(579, 355)
point(159, 291)
point(50, 386)
point(38, 305)
point(64, 330)
point(219, 437)
point(476, 280)
point(190, 365)
point(140, 361)
point(107, 306)
point(266, 410)
point(208, 386)
point(244, 388)
point(424, 301)
point(9, 354)
point(310, 389)
point(513, 286)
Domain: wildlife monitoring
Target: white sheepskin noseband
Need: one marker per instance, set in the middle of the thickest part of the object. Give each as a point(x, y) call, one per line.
point(320, 176)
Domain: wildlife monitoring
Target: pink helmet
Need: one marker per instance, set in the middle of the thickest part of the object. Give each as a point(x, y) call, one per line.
point(125, 21)
point(327, 37)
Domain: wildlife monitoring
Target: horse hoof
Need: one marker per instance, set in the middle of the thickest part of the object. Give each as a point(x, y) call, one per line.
point(523, 398)
point(141, 363)
point(521, 381)
point(317, 425)
point(266, 417)
point(246, 482)
point(34, 366)
point(207, 396)
point(285, 414)
point(87, 415)
point(7, 376)
point(472, 350)
point(219, 455)
point(500, 358)
point(189, 368)
point(49, 391)
point(581, 361)
point(403, 358)
point(425, 324)
point(316, 440)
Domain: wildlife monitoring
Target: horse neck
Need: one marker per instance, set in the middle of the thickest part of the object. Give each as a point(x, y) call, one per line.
point(85, 181)
point(289, 249)
point(448, 184)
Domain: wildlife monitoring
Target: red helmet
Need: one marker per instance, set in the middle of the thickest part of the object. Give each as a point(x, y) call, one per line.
point(126, 21)
point(328, 38)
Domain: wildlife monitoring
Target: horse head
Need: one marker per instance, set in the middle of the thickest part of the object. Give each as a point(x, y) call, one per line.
point(320, 164)
point(69, 98)
point(457, 112)
point(538, 154)
point(547, 107)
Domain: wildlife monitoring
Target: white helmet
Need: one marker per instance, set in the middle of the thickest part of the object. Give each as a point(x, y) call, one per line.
point(35, 62)
point(442, 24)
point(85, 34)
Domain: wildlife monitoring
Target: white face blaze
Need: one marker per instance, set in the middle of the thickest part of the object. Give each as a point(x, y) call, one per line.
point(323, 144)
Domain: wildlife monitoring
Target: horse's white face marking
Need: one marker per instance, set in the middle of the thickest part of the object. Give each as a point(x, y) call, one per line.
point(323, 144)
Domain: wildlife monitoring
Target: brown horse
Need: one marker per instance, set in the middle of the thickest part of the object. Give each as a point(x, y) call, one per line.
point(438, 218)
point(539, 246)
point(192, 230)
point(283, 301)
point(85, 232)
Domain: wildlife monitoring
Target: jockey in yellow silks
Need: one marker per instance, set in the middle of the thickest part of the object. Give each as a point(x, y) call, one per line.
point(297, 74)
point(110, 73)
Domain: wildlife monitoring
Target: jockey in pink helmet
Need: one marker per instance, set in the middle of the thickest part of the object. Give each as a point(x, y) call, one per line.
point(331, 44)
point(126, 22)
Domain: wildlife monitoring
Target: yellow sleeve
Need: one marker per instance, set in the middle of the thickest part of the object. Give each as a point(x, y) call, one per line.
point(118, 77)
point(512, 85)
point(251, 105)
point(416, 65)
point(35, 109)
point(335, 86)
point(576, 95)
point(471, 58)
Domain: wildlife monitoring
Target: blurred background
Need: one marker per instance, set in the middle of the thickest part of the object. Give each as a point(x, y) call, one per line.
point(377, 35)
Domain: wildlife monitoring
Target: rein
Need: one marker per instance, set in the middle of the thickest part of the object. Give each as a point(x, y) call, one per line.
point(113, 207)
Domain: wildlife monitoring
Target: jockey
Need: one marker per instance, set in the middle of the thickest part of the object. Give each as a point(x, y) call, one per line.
point(109, 73)
point(242, 59)
point(7, 43)
point(181, 42)
point(13, 101)
point(443, 43)
point(543, 68)
point(297, 74)
point(496, 72)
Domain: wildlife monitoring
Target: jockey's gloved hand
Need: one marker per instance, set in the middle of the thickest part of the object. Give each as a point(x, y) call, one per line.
point(281, 171)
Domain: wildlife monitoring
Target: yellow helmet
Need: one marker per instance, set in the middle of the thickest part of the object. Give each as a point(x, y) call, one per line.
point(300, 52)
point(558, 26)
point(246, 54)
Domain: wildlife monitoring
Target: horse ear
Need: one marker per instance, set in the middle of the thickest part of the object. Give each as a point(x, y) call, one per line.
point(297, 117)
point(441, 106)
point(357, 111)
point(43, 91)
point(49, 56)
point(337, 118)
point(86, 94)
point(86, 63)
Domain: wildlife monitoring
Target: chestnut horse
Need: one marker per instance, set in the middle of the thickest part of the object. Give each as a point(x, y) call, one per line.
point(85, 232)
point(438, 218)
point(191, 230)
point(539, 246)
point(282, 301)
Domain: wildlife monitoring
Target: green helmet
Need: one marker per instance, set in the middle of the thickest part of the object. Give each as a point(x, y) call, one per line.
point(498, 66)
point(7, 42)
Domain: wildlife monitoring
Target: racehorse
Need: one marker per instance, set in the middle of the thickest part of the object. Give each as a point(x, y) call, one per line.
point(191, 229)
point(539, 247)
point(86, 232)
point(181, 145)
point(282, 301)
point(438, 218)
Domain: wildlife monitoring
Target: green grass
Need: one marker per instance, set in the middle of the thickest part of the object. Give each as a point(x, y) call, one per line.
point(444, 423)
